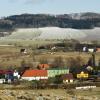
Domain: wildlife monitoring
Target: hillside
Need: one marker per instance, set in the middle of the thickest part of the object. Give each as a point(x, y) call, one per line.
point(87, 20)
point(54, 33)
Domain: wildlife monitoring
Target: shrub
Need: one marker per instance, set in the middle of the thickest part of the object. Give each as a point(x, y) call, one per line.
point(75, 62)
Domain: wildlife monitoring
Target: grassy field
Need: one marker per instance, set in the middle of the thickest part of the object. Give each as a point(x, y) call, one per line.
point(10, 56)
point(32, 43)
point(50, 94)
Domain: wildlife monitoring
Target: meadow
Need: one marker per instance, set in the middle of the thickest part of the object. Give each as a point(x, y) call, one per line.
point(10, 56)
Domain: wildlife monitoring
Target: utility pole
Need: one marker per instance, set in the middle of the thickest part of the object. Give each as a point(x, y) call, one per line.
point(93, 59)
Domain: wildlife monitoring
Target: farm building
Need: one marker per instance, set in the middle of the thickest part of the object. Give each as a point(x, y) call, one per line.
point(56, 71)
point(35, 75)
point(67, 78)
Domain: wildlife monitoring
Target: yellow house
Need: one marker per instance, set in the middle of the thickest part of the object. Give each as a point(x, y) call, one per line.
point(83, 75)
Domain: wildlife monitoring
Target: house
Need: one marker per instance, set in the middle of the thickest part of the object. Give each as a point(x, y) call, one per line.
point(97, 49)
point(9, 76)
point(6, 76)
point(67, 78)
point(23, 51)
point(16, 75)
point(43, 66)
point(2, 81)
point(2, 76)
point(57, 71)
point(84, 49)
point(89, 68)
point(82, 74)
point(35, 75)
point(91, 50)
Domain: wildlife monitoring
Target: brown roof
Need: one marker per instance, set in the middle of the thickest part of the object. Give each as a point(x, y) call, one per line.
point(67, 76)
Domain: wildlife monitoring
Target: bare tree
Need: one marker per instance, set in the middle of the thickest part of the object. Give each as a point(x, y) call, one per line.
point(75, 62)
point(58, 62)
point(43, 61)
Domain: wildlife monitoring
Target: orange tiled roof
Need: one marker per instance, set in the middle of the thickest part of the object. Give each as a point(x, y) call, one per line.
point(31, 73)
point(43, 65)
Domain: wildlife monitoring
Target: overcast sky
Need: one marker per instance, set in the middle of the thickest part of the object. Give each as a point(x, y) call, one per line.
point(12, 7)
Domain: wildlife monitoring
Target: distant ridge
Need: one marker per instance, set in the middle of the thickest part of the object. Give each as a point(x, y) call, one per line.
point(87, 20)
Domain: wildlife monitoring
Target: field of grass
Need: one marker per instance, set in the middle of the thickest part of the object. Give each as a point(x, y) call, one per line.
point(32, 43)
point(89, 93)
point(10, 56)
point(50, 94)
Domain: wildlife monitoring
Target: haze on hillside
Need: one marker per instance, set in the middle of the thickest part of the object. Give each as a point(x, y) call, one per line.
point(54, 33)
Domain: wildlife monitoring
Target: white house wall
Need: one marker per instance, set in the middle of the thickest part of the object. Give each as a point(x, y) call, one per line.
point(33, 78)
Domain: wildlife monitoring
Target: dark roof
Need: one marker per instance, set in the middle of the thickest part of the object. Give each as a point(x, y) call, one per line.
point(6, 72)
point(80, 69)
point(67, 76)
point(58, 69)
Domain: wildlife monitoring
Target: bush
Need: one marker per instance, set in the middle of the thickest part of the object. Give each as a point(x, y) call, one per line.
point(75, 62)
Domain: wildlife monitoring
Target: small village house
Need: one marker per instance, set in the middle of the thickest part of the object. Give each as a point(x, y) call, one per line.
point(2, 76)
point(67, 78)
point(16, 75)
point(43, 66)
point(57, 71)
point(98, 50)
point(9, 76)
point(23, 51)
point(35, 75)
point(82, 75)
point(6, 76)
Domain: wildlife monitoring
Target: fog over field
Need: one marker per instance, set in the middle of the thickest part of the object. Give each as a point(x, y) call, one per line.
point(51, 33)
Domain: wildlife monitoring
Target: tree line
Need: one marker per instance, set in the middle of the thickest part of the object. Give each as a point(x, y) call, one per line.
point(86, 21)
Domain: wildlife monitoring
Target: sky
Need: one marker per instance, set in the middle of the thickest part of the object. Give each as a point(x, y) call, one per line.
point(16, 7)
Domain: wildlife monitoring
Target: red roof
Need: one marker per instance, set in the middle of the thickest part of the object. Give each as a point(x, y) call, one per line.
point(41, 66)
point(31, 73)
